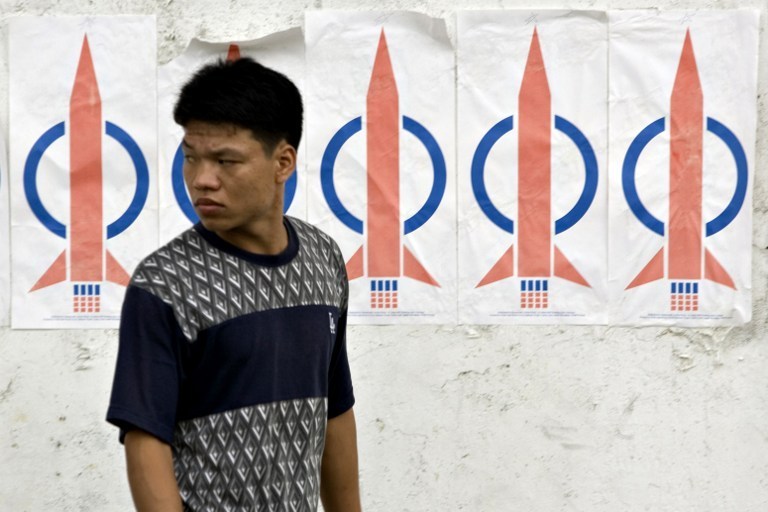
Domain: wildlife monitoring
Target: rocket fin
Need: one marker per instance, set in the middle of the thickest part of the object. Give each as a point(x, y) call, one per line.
point(653, 271)
point(564, 269)
point(355, 265)
point(115, 272)
point(503, 268)
point(56, 273)
point(715, 272)
point(415, 270)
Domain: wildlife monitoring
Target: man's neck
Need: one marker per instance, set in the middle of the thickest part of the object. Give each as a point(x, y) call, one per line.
point(265, 237)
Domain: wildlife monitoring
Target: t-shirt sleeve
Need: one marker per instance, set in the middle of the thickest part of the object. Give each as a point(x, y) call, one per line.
point(340, 393)
point(145, 389)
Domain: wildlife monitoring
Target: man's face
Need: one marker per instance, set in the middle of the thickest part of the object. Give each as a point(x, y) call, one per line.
point(235, 185)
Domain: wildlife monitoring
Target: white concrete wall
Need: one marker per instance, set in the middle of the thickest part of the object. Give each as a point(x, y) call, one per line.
point(469, 418)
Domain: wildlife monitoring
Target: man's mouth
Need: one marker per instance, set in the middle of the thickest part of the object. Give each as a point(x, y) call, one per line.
point(204, 201)
point(207, 206)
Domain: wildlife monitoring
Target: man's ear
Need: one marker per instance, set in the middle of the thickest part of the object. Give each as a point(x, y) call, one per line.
point(285, 159)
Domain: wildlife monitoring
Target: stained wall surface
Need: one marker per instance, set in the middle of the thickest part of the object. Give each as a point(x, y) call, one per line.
point(492, 418)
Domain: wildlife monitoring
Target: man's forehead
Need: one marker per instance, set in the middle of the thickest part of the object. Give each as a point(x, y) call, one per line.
point(203, 128)
point(222, 132)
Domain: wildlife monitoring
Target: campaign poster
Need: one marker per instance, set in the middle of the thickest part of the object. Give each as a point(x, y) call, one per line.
point(82, 165)
point(683, 114)
point(532, 167)
point(380, 119)
point(283, 52)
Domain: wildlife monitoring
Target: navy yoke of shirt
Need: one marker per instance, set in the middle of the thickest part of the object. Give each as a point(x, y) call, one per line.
point(237, 360)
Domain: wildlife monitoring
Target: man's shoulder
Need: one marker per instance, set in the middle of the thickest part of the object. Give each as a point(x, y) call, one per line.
point(176, 252)
point(306, 230)
point(303, 227)
point(314, 237)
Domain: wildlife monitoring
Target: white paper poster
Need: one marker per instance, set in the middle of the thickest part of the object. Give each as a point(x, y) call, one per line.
point(683, 91)
point(82, 165)
point(380, 119)
point(283, 52)
point(532, 176)
point(5, 239)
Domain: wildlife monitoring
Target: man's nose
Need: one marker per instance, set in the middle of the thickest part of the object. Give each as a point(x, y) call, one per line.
point(206, 176)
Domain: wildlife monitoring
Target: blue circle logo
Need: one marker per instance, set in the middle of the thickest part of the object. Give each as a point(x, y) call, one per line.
point(429, 207)
point(480, 191)
point(41, 212)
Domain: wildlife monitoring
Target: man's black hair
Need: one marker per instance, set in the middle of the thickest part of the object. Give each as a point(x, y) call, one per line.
point(246, 94)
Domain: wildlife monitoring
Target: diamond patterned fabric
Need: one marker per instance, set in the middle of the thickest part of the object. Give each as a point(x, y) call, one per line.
point(258, 458)
point(206, 286)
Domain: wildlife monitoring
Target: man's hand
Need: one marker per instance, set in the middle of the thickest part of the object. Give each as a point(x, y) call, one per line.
point(150, 473)
point(339, 483)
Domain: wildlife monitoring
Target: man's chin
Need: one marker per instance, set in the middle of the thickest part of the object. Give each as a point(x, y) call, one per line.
point(212, 224)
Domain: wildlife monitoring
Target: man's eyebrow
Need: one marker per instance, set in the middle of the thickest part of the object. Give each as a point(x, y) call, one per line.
point(226, 150)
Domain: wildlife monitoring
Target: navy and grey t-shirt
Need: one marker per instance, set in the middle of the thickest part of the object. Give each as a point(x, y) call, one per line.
point(237, 360)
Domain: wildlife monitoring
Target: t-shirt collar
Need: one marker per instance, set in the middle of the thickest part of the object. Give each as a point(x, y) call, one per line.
point(266, 260)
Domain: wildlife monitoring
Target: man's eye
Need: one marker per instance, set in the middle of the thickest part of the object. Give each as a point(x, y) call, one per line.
point(189, 158)
point(227, 163)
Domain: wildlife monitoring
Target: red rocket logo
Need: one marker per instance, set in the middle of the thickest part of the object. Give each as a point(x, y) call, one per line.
point(687, 261)
point(537, 257)
point(384, 257)
point(86, 262)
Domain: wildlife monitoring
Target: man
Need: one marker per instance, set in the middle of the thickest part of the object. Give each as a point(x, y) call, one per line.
point(232, 387)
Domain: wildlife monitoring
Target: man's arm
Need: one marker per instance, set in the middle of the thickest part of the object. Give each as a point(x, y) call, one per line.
point(150, 473)
point(339, 485)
